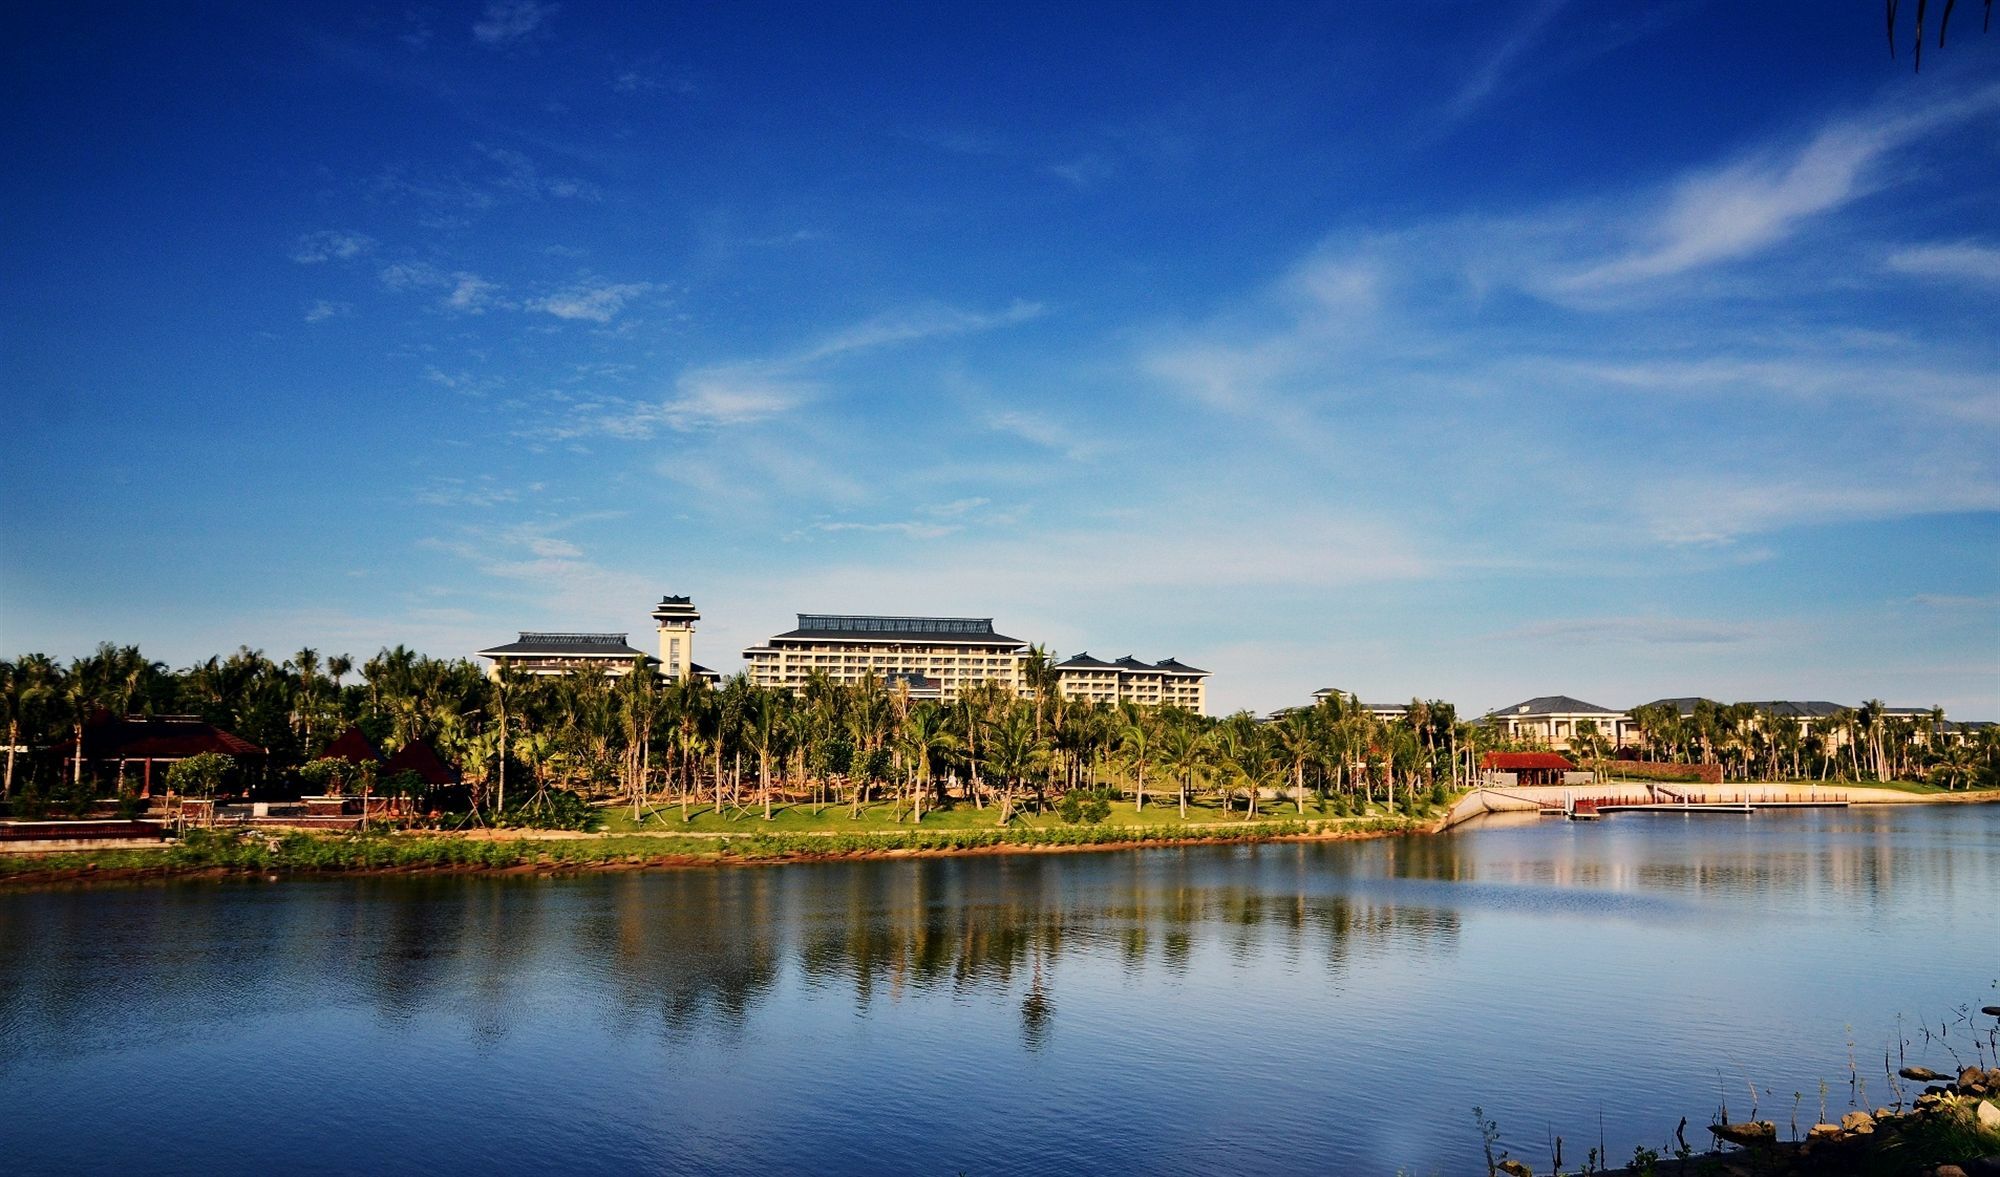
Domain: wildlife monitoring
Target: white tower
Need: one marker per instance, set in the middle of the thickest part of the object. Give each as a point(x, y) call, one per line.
point(676, 617)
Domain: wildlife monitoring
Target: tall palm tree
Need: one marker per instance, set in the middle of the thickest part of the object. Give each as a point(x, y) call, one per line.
point(25, 687)
point(1014, 754)
point(1184, 749)
point(1297, 740)
point(765, 713)
point(925, 740)
point(1135, 739)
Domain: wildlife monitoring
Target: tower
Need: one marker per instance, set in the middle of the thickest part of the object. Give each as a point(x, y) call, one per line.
point(675, 617)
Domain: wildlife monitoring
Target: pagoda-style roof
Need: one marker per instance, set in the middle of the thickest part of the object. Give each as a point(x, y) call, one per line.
point(675, 609)
point(1130, 665)
point(419, 757)
point(353, 746)
point(852, 627)
point(1084, 661)
point(162, 737)
point(568, 645)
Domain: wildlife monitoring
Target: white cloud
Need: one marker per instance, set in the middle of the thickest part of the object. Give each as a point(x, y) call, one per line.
point(914, 323)
point(473, 295)
point(1956, 601)
point(331, 245)
point(1965, 260)
point(1035, 428)
point(1727, 213)
point(401, 276)
point(910, 529)
point(508, 21)
point(1671, 631)
point(596, 303)
point(1481, 83)
point(323, 310)
point(1084, 172)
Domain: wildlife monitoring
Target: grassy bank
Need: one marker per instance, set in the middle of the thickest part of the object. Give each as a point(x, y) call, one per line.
point(887, 818)
point(206, 852)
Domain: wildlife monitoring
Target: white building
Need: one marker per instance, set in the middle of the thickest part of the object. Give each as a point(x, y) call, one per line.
point(937, 657)
point(1166, 683)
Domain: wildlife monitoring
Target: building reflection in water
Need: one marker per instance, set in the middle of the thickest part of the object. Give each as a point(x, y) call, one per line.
point(694, 951)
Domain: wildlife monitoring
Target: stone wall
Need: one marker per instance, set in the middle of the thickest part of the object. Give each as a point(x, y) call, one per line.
point(1653, 770)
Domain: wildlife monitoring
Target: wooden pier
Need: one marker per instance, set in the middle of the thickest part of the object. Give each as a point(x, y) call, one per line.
point(1659, 799)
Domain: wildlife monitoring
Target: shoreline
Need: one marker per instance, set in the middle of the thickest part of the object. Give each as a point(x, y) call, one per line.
point(554, 853)
point(538, 854)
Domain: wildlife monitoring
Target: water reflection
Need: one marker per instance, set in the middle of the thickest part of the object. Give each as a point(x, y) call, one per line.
point(698, 948)
point(1134, 984)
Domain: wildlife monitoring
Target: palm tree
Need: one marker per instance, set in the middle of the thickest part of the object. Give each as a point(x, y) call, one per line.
point(1135, 735)
point(1297, 740)
point(24, 687)
point(1183, 749)
point(765, 712)
point(1014, 754)
point(925, 739)
point(639, 706)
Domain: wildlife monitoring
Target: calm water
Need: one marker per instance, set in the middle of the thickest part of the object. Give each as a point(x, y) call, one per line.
point(1334, 1008)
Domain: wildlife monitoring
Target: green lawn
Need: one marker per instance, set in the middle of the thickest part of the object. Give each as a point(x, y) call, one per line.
point(881, 818)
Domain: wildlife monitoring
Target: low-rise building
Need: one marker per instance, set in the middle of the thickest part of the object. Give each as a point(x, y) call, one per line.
point(1385, 712)
point(1166, 683)
point(1552, 720)
point(613, 654)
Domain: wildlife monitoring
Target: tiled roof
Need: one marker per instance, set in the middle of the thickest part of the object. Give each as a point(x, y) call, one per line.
point(1176, 666)
point(568, 645)
point(1551, 705)
point(1084, 661)
point(163, 738)
point(1514, 761)
point(354, 747)
point(419, 757)
point(845, 627)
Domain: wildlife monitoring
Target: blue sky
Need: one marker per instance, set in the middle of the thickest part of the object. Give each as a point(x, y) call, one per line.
point(1473, 352)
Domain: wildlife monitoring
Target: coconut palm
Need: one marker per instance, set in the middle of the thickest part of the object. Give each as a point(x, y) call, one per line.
point(925, 740)
point(1135, 740)
point(1183, 750)
point(1013, 754)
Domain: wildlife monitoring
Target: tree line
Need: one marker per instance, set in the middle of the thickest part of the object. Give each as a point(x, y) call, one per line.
point(744, 750)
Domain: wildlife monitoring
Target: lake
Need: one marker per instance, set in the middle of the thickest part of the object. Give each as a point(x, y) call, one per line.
point(1281, 1008)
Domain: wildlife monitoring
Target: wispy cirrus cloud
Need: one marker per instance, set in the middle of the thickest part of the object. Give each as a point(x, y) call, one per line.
point(1730, 212)
point(909, 324)
point(331, 245)
point(909, 528)
point(1966, 261)
point(508, 22)
point(323, 309)
point(596, 302)
point(1642, 630)
point(748, 391)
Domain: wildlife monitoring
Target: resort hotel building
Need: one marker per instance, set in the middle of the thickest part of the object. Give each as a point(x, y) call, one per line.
point(1166, 683)
point(928, 657)
point(547, 654)
point(931, 657)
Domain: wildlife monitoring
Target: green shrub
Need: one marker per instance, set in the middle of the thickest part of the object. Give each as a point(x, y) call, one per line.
point(1084, 806)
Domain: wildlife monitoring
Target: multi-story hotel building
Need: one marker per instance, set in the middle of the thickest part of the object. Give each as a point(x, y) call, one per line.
point(1166, 683)
point(935, 657)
